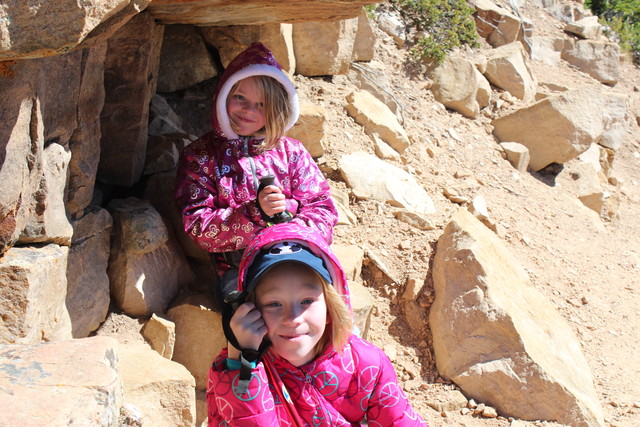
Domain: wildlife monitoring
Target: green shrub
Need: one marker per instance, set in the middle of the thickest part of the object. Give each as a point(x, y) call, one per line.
point(440, 26)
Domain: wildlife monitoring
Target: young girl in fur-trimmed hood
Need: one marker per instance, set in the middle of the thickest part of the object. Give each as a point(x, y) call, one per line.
point(218, 184)
point(313, 370)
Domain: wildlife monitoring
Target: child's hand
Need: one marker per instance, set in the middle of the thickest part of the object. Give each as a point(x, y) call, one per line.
point(248, 327)
point(271, 200)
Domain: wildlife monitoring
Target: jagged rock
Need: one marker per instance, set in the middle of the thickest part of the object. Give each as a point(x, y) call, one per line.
point(146, 268)
point(88, 284)
point(507, 69)
point(498, 25)
point(341, 200)
point(500, 340)
point(458, 85)
point(559, 128)
point(32, 295)
point(70, 382)
point(365, 40)
point(547, 50)
point(163, 153)
point(324, 48)
point(414, 220)
point(57, 27)
point(450, 401)
point(230, 12)
point(230, 40)
point(414, 285)
point(310, 128)
point(161, 335)
point(362, 305)
point(48, 222)
point(517, 154)
point(366, 174)
point(131, 71)
point(351, 257)
point(374, 258)
point(376, 118)
point(601, 60)
point(85, 140)
point(184, 59)
point(383, 150)
point(163, 120)
point(161, 390)
point(586, 28)
point(582, 180)
point(199, 335)
point(365, 78)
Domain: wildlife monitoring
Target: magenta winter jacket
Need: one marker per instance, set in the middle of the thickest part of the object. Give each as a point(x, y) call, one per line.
point(336, 389)
point(218, 175)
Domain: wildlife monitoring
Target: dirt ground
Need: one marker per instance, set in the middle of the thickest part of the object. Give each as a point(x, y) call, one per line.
point(586, 266)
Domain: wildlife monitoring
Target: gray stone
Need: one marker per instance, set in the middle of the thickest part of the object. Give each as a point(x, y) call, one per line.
point(87, 281)
point(131, 72)
point(184, 59)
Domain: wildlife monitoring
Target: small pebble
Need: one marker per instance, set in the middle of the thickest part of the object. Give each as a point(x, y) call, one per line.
point(489, 412)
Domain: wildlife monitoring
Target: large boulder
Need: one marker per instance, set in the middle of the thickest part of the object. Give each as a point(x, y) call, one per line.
point(230, 40)
point(559, 128)
point(507, 69)
point(199, 335)
point(601, 60)
point(87, 280)
point(458, 85)
point(370, 177)
point(376, 118)
point(160, 390)
point(232, 12)
point(184, 59)
point(32, 295)
point(324, 48)
point(498, 338)
point(585, 28)
point(70, 382)
point(54, 28)
point(365, 41)
point(130, 77)
point(146, 268)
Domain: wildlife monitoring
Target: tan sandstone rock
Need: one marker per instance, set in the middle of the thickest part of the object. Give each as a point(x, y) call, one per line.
point(500, 340)
point(310, 128)
point(32, 295)
point(499, 25)
point(517, 154)
point(559, 128)
point(350, 257)
point(146, 268)
point(367, 174)
point(230, 40)
point(376, 118)
point(365, 41)
point(362, 303)
point(199, 335)
point(601, 60)
point(324, 48)
point(458, 85)
point(507, 69)
point(70, 382)
point(161, 390)
point(232, 12)
point(161, 335)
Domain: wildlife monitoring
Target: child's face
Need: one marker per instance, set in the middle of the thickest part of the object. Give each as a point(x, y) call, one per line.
point(245, 107)
point(292, 304)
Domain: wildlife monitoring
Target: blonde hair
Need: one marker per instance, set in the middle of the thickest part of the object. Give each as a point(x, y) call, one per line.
point(340, 324)
point(277, 110)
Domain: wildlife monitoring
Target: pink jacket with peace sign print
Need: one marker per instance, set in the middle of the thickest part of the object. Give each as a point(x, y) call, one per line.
point(335, 389)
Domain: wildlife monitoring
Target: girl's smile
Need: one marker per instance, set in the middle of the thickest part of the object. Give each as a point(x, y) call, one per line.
point(245, 107)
